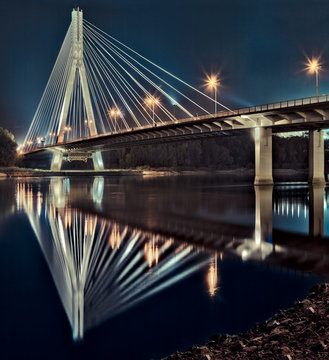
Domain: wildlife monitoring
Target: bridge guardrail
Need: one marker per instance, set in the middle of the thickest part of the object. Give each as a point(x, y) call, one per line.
point(275, 106)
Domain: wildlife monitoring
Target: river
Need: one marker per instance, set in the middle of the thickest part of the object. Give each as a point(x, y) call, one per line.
point(139, 267)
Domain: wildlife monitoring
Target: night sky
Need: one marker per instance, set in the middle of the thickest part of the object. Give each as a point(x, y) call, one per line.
point(259, 46)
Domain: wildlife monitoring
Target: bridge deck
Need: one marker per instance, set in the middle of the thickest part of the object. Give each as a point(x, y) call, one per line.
point(284, 116)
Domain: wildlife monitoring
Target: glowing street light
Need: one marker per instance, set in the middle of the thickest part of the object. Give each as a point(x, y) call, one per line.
point(212, 82)
point(115, 113)
point(313, 67)
point(151, 102)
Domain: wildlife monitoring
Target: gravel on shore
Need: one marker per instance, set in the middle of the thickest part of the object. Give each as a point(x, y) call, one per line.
point(301, 332)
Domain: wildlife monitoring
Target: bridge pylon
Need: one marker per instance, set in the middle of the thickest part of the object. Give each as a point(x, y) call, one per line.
point(77, 69)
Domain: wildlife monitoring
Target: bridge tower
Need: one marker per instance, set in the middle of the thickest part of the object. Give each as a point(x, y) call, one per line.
point(77, 69)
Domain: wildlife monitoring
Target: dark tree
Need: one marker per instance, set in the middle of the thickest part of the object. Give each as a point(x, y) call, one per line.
point(8, 148)
point(219, 152)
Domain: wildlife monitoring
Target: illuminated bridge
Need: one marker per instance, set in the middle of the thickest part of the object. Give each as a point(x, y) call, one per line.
point(103, 95)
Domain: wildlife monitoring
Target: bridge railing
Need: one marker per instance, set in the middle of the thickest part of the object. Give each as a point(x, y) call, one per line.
point(277, 105)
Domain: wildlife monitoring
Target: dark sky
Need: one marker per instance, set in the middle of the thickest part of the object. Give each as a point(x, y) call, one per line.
point(259, 45)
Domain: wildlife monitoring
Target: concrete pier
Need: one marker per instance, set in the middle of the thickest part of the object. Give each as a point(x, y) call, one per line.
point(263, 156)
point(56, 162)
point(98, 161)
point(316, 158)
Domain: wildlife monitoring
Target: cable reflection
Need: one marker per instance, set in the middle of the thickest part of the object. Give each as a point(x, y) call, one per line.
point(100, 267)
point(103, 267)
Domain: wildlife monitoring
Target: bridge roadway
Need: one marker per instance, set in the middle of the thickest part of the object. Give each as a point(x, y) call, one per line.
point(307, 114)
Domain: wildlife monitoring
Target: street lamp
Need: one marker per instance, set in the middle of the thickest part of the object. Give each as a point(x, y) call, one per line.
point(115, 113)
point(152, 101)
point(314, 66)
point(212, 83)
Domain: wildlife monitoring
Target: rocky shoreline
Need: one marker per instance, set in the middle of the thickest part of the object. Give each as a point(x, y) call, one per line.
point(297, 333)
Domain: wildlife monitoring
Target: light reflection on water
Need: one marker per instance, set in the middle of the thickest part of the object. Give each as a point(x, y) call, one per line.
point(112, 244)
point(100, 267)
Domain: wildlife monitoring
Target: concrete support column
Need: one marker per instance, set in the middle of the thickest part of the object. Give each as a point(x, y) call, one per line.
point(263, 156)
point(98, 161)
point(316, 158)
point(56, 162)
point(316, 211)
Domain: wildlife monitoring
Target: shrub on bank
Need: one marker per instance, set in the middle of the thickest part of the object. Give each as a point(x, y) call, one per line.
point(8, 148)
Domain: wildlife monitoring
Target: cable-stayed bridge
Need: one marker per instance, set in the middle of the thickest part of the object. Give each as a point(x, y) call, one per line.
point(102, 95)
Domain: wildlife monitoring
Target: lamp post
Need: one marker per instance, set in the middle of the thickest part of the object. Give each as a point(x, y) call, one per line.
point(313, 66)
point(212, 83)
point(151, 102)
point(115, 113)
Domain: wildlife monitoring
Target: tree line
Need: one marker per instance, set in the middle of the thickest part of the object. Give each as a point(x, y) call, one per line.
point(221, 152)
point(225, 151)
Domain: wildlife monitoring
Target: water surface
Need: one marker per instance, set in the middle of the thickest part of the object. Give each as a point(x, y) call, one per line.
point(137, 268)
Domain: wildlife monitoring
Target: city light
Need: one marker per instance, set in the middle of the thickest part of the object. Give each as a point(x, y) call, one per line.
point(151, 252)
point(115, 113)
point(212, 82)
point(212, 277)
point(152, 102)
point(313, 66)
point(149, 101)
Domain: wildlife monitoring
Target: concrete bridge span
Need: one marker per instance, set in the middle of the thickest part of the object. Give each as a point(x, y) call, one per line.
point(308, 114)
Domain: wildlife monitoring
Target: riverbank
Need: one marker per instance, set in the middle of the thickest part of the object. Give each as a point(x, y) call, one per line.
point(13, 172)
point(297, 333)
point(240, 173)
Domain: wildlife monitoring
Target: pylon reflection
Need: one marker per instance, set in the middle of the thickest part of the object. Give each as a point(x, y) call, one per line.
point(100, 267)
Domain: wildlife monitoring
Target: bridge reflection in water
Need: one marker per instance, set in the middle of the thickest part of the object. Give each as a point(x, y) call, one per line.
point(102, 267)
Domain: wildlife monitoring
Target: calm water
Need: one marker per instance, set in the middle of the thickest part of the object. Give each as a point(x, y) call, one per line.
point(137, 268)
